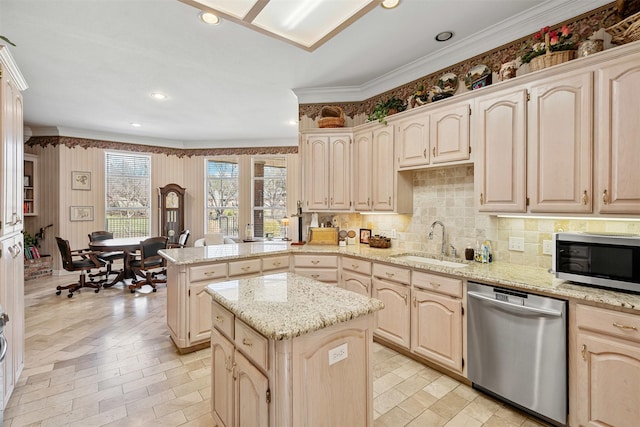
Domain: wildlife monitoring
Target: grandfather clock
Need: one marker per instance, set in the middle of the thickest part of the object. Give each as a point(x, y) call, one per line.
point(171, 205)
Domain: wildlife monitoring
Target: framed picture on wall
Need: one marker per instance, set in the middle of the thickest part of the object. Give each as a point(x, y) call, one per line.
point(365, 233)
point(81, 213)
point(80, 180)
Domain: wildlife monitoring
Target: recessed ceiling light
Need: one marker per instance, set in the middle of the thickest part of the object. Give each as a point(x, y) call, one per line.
point(444, 36)
point(209, 18)
point(158, 95)
point(136, 125)
point(390, 4)
point(293, 122)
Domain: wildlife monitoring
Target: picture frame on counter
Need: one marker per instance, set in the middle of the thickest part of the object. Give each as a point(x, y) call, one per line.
point(365, 233)
point(81, 213)
point(81, 180)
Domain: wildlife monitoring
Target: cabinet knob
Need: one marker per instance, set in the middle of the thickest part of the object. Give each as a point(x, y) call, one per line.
point(605, 197)
point(585, 198)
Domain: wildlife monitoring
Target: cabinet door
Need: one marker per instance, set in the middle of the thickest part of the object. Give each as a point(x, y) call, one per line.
point(12, 148)
point(413, 142)
point(618, 128)
point(340, 173)
point(608, 374)
point(436, 328)
point(560, 145)
point(252, 394)
point(394, 321)
point(316, 173)
point(222, 384)
point(500, 147)
point(449, 133)
point(199, 314)
point(358, 283)
point(362, 179)
point(383, 173)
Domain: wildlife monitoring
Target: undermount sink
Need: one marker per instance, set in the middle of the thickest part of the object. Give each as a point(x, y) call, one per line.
point(431, 261)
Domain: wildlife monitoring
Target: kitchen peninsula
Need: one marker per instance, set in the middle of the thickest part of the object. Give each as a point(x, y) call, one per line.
point(288, 350)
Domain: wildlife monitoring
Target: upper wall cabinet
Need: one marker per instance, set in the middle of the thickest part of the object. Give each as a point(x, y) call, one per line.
point(435, 136)
point(560, 145)
point(500, 151)
point(327, 172)
point(618, 133)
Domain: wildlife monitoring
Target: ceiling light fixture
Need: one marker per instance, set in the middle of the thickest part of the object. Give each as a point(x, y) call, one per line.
point(444, 36)
point(390, 4)
point(158, 95)
point(209, 18)
point(308, 26)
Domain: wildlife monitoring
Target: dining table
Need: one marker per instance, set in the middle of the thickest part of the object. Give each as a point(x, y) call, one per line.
point(124, 244)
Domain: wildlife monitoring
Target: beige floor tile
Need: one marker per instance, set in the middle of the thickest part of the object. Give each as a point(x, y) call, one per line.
point(387, 400)
point(462, 420)
point(417, 403)
point(428, 419)
point(412, 385)
point(449, 406)
point(441, 386)
point(386, 382)
point(512, 415)
point(496, 421)
point(396, 417)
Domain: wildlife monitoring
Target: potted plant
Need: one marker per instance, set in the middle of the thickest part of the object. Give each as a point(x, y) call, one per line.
point(385, 108)
point(3, 38)
point(555, 41)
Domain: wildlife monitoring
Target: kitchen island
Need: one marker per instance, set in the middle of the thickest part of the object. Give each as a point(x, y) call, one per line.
point(288, 351)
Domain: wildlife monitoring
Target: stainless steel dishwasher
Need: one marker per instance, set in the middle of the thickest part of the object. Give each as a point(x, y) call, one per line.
point(517, 349)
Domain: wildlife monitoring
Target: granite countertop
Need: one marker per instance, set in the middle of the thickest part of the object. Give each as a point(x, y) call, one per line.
point(522, 277)
point(286, 305)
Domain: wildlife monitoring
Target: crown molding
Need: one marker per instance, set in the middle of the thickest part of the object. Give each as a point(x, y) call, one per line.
point(12, 68)
point(550, 12)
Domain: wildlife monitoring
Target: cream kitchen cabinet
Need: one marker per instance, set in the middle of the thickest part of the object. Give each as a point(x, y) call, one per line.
point(449, 133)
point(413, 141)
point(323, 268)
point(356, 275)
point(500, 169)
point(392, 286)
point(327, 172)
point(618, 86)
point(436, 319)
point(606, 359)
point(377, 186)
point(560, 144)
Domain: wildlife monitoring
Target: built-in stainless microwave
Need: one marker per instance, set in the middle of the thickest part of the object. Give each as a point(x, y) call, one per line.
point(604, 260)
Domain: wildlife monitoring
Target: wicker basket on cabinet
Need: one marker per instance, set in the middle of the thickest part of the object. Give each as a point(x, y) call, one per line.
point(331, 117)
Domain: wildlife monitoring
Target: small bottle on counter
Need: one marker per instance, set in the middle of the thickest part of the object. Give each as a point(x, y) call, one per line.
point(249, 232)
point(469, 253)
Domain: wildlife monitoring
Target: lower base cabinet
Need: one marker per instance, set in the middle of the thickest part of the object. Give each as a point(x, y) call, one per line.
point(391, 285)
point(606, 386)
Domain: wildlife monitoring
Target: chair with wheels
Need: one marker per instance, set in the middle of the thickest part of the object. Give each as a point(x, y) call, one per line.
point(107, 257)
point(182, 240)
point(148, 265)
point(82, 260)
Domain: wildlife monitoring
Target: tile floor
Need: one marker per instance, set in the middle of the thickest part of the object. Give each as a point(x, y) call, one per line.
point(106, 360)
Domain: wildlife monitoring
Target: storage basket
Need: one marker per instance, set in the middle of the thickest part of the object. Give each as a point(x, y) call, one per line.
point(331, 117)
point(551, 58)
point(379, 242)
point(625, 31)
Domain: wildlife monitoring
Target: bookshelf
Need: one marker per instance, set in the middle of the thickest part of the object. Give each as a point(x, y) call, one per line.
point(30, 185)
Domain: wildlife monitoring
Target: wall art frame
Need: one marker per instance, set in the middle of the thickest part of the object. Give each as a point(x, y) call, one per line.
point(81, 213)
point(365, 233)
point(81, 180)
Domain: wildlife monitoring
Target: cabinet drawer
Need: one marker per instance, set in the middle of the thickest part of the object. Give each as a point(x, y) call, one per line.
point(389, 272)
point(316, 261)
point(252, 344)
point(436, 283)
point(223, 319)
point(275, 263)
point(207, 272)
point(240, 268)
point(608, 322)
point(358, 265)
point(328, 275)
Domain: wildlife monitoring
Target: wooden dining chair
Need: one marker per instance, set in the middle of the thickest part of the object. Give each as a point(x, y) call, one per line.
point(107, 257)
point(148, 265)
point(82, 260)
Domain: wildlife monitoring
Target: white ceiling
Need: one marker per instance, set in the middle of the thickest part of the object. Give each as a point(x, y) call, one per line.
point(91, 65)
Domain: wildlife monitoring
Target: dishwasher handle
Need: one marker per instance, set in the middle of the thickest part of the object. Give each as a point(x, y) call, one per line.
point(516, 307)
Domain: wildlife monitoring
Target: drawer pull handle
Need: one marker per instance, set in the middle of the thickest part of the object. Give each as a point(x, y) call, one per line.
point(583, 351)
point(219, 319)
point(425, 153)
point(354, 266)
point(585, 198)
point(209, 273)
point(415, 301)
point(435, 285)
point(481, 198)
point(315, 276)
point(276, 263)
point(389, 274)
point(315, 261)
point(245, 268)
point(605, 197)
point(618, 325)
point(434, 151)
point(405, 299)
point(246, 342)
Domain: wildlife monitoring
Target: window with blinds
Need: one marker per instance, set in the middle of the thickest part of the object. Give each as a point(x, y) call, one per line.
point(222, 196)
point(128, 194)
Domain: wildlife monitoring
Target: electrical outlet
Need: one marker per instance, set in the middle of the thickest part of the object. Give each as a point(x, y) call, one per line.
point(338, 353)
point(547, 247)
point(394, 234)
point(516, 244)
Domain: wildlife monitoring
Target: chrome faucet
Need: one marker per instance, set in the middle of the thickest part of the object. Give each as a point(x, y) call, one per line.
point(443, 252)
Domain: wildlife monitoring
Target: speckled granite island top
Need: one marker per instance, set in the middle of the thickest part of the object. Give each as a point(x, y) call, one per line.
point(286, 305)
